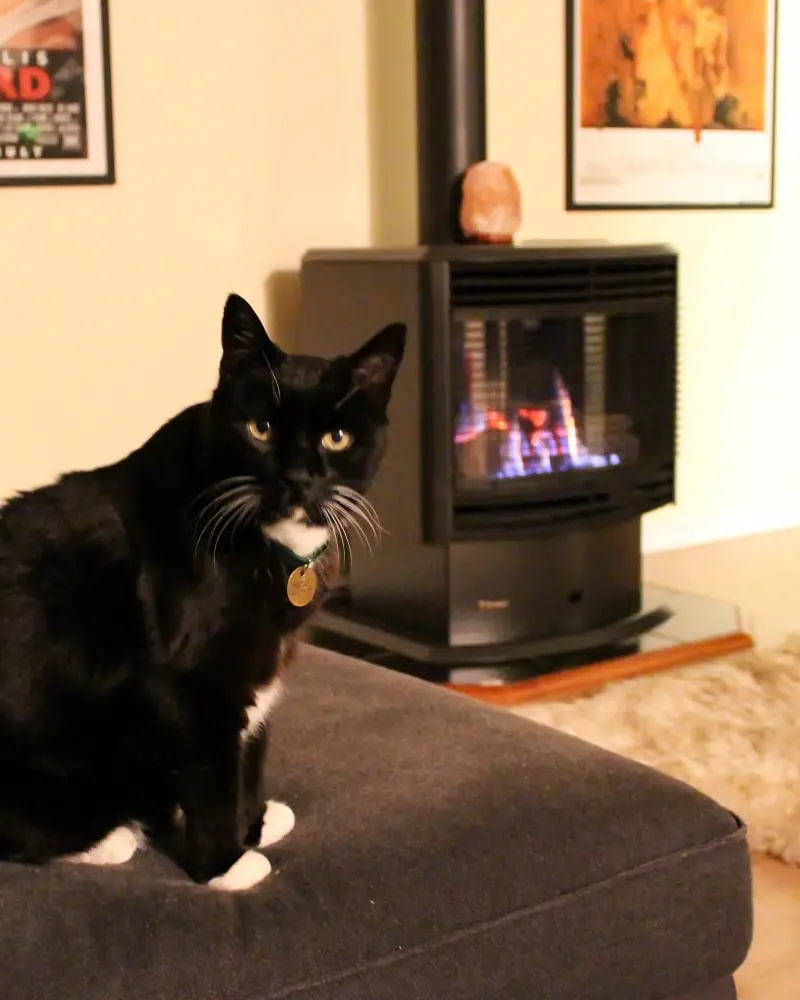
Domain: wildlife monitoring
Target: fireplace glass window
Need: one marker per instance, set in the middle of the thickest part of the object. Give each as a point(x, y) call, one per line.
point(537, 397)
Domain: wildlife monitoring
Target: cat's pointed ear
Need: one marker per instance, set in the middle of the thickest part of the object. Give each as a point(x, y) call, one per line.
point(373, 367)
point(244, 338)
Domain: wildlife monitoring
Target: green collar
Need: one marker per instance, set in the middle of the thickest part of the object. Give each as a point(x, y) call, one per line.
point(292, 561)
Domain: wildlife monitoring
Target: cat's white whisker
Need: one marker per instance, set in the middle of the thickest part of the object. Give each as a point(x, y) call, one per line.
point(356, 513)
point(357, 497)
point(229, 514)
point(206, 512)
point(210, 526)
point(358, 500)
point(276, 387)
point(227, 481)
point(352, 521)
point(342, 543)
point(336, 519)
point(334, 534)
point(245, 514)
point(221, 498)
point(231, 481)
point(343, 527)
point(229, 502)
point(329, 524)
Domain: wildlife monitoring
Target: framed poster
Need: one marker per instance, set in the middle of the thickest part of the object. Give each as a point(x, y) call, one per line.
point(670, 103)
point(55, 93)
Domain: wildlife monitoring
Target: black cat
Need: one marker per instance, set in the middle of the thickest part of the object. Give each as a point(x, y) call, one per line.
point(147, 608)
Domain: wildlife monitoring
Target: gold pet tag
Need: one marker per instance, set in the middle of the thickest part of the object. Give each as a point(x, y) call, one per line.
point(301, 586)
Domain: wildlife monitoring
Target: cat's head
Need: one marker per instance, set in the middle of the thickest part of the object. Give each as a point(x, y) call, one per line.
point(306, 434)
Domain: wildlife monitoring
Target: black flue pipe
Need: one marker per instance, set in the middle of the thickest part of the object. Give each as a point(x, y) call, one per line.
point(451, 109)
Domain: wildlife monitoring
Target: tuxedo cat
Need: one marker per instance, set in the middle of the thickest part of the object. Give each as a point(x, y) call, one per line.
point(148, 608)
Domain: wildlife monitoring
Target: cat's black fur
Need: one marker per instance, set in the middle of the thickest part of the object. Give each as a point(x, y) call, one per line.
point(132, 641)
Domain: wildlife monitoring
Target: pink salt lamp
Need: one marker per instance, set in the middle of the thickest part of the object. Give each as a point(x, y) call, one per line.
point(491, 203)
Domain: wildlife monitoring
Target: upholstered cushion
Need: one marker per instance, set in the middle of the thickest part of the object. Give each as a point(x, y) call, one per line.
point(443, 850)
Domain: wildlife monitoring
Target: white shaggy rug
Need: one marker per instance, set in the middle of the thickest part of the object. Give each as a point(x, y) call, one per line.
point(731, 728)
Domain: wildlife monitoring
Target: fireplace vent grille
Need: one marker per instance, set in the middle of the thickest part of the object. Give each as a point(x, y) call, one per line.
point(569, 282)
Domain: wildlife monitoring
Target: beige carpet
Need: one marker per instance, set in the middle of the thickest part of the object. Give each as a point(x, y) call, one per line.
point(730, 728)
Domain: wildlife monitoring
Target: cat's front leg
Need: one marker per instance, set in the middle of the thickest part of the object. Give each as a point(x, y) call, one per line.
point(212, 803)
point(265, 821)
point(254, 795)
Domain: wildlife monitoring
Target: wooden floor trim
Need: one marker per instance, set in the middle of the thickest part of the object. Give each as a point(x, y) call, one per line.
point(579, 681)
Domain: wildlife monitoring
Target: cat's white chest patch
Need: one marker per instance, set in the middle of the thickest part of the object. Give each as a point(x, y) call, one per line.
point(297, 535)
point(265, 700)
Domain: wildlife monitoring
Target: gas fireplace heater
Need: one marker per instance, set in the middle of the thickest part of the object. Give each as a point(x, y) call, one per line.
point(532, 422)
point(532, 425)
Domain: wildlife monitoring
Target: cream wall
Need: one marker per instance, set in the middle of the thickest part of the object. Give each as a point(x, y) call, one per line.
point(241, 139)
point(296, 129)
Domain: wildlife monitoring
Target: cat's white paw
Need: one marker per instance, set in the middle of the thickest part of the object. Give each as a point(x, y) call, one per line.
point(250, 869)
point(278, 823)
point(116, 848)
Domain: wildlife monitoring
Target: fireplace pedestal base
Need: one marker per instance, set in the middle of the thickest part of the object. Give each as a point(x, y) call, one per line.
point(512, 594)
point(673, 629)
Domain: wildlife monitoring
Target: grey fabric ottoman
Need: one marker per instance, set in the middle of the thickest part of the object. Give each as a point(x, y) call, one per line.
point(444, 851)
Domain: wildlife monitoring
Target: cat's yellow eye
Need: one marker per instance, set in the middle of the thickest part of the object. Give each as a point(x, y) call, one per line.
point(336, 440)
point(260, 430)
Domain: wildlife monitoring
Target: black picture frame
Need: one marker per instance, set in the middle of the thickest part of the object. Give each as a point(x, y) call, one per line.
point(574, 203)
point(98, 116)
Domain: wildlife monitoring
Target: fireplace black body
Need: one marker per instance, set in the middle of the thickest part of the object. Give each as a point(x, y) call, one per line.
point(533, 423)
